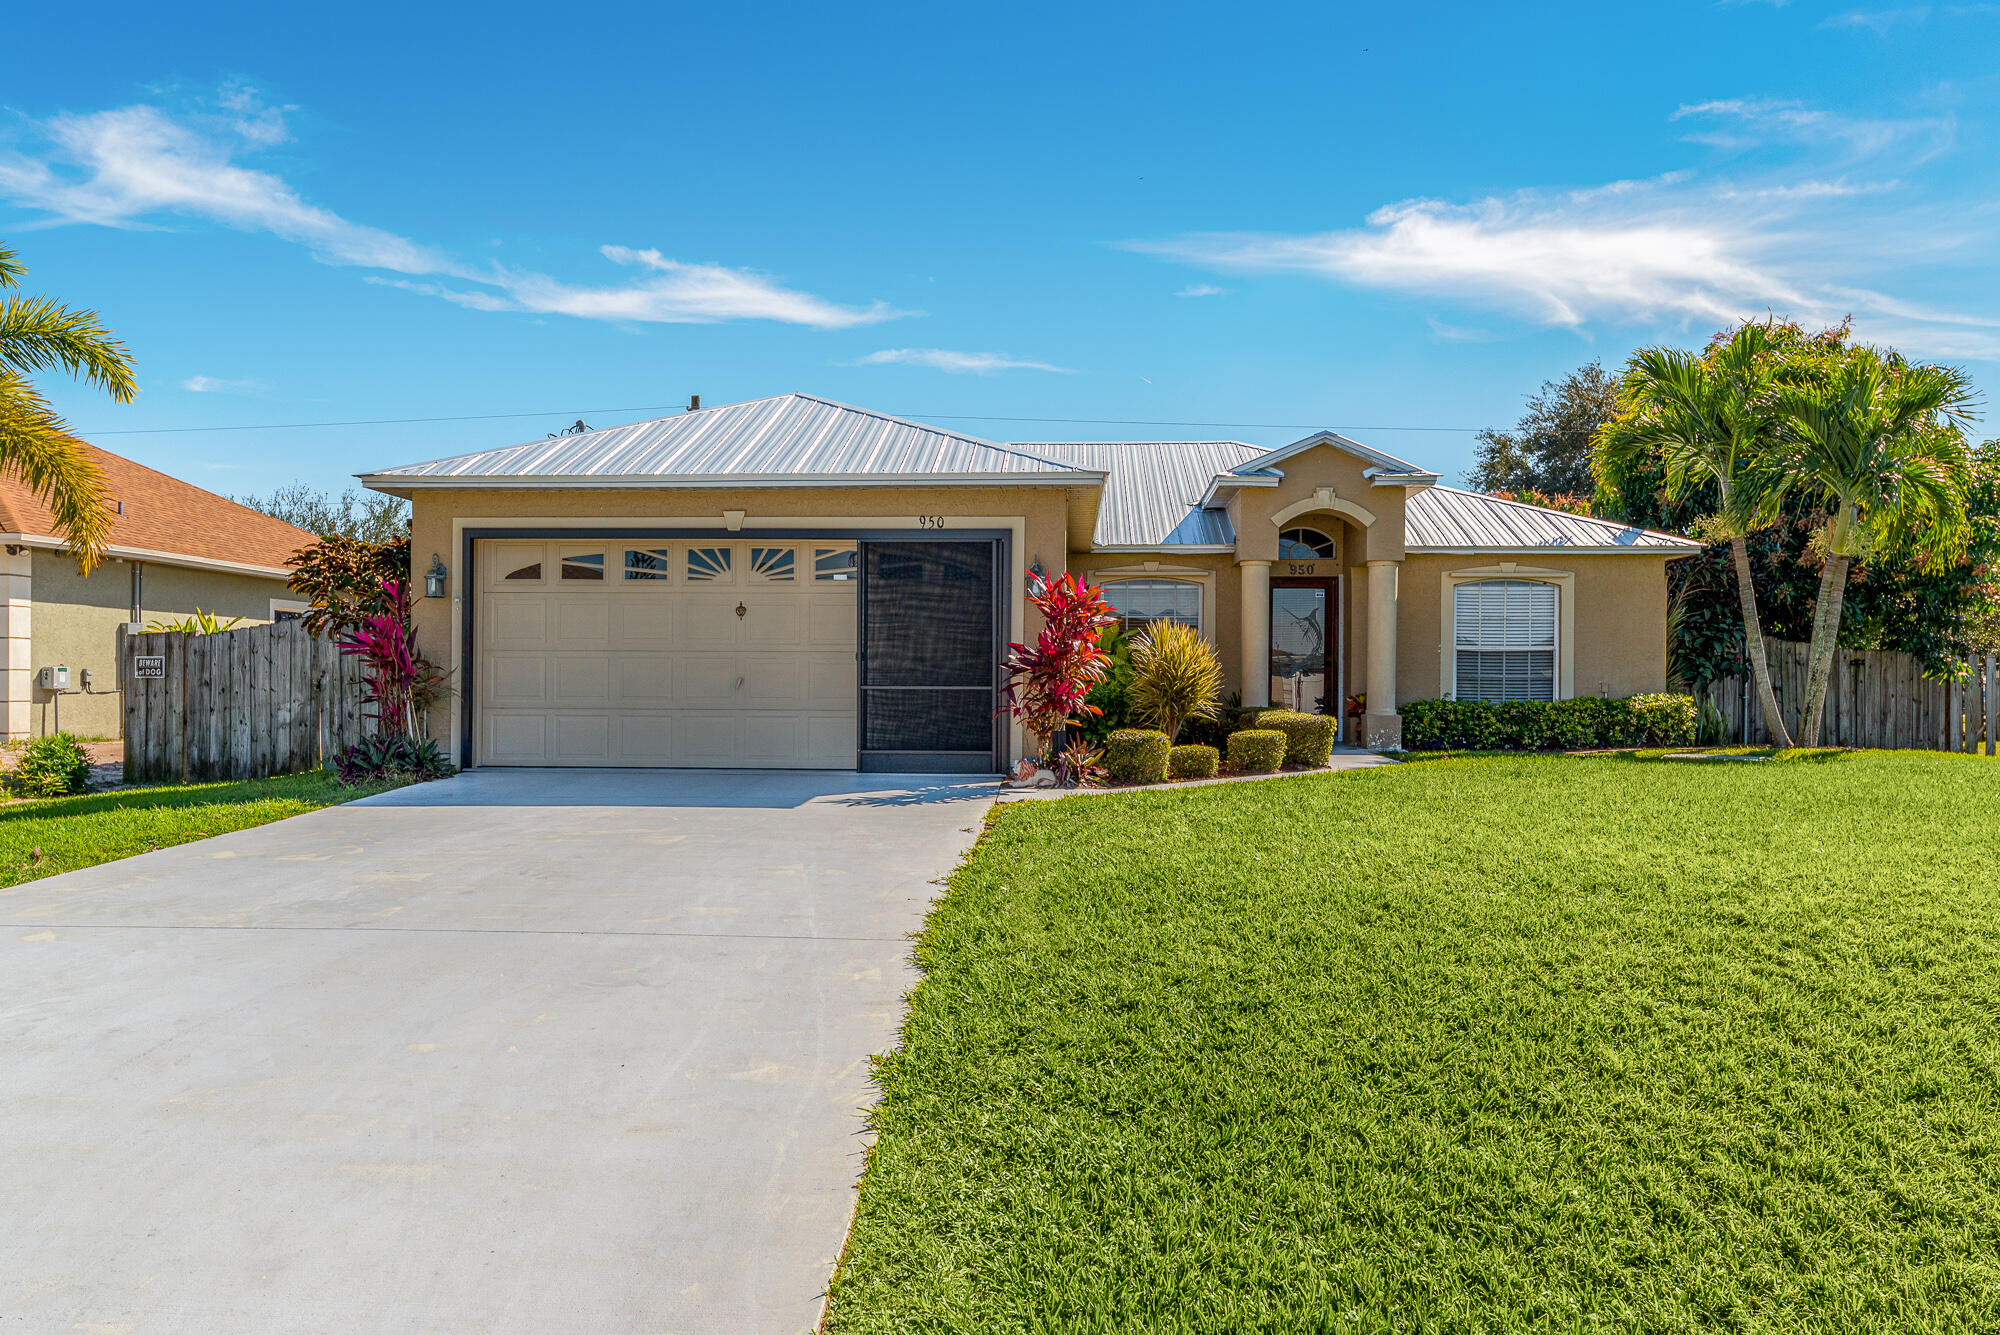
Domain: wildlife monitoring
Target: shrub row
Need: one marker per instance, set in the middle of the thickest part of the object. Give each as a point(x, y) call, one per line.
point(1559, 725)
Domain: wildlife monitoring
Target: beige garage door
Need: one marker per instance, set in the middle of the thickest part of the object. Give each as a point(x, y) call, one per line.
point(666, 652)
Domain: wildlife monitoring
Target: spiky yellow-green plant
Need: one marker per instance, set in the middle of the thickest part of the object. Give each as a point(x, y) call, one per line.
point(39, 334)
point(1175, 677)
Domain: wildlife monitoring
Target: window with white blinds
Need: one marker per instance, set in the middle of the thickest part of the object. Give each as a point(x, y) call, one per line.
point(1504, 640)
point(1139, 602)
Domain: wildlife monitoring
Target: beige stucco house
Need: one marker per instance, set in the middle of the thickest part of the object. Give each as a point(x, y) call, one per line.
point(174, 548)
point(796, 582)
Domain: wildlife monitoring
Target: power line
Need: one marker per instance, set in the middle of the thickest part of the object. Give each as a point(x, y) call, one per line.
point(672, 407)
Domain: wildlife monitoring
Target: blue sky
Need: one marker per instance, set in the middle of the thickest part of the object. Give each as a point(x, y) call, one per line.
point(1272, 217)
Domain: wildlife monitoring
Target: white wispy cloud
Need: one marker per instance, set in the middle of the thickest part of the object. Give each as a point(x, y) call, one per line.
point(1678, 249)
point(958, 363)
point(208, 384)
point(1746, 122)
point(1201, 290)
point(1878, 21)
point(137, 166)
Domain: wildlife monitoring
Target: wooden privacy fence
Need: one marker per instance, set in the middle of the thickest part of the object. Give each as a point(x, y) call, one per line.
point(239, 705)
point(1876, 698)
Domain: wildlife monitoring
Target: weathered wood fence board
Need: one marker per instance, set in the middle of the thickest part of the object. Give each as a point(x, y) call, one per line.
point(239, 705)
point(1876, 698)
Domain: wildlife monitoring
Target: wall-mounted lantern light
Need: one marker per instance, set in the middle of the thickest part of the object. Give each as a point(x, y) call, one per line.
point(434, 578)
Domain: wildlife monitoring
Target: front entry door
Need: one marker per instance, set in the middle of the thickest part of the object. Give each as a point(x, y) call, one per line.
point(1305, 645)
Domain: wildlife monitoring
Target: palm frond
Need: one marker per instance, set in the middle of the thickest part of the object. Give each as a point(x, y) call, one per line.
point(11, 268)
point(39, 334)
point(36, 446)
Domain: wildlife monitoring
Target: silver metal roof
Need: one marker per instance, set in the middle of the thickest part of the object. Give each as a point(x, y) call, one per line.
point(1153, 488)
point(789, 436)
point(1446, 517)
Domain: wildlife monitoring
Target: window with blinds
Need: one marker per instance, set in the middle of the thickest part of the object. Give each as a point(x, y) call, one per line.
point(1139, 602)
point(1504, 640)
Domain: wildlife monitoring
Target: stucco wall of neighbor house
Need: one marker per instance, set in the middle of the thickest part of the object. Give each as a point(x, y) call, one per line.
point(1619, 619)
point(76, 621)
point(1039, 513)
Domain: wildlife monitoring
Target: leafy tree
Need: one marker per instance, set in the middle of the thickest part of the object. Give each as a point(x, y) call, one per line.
point(1707, 420)
point(344, 580)
point(1549, 450)
point(1930, 610)
point(1881, 445)
point(38, 334)
point(365, 516)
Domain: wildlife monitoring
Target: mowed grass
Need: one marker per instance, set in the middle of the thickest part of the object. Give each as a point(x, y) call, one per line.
point(1467, 1045)
point(59, 834)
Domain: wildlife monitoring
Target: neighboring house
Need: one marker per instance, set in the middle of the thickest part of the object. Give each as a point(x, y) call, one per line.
point(174, 548)
point(795, 582)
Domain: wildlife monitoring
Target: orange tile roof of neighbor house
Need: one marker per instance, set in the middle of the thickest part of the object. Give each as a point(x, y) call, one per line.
point(162, 517)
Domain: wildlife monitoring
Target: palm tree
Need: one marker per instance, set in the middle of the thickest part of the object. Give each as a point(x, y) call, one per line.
point(1708, 420)
point(38, 334)
point(1882, 444)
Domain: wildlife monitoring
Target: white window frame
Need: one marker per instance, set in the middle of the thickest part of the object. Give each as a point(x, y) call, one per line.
point(1204, 580)
point(1565, 586)
point(288, 605)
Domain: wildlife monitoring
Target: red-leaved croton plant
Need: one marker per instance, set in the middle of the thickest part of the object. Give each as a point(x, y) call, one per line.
point(1047, 682)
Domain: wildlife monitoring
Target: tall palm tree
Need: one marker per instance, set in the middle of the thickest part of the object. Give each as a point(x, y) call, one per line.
point(1709, 421)
point(1882, 443)
point(39, 334)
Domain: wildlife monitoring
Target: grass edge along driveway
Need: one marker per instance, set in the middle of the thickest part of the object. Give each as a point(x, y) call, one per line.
point(50, 835)
point(1538, 1043)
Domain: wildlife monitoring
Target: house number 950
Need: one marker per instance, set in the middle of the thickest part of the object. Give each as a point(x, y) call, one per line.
point(930, 521)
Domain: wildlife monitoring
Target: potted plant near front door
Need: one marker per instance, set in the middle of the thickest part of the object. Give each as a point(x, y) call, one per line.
point(1357, 705)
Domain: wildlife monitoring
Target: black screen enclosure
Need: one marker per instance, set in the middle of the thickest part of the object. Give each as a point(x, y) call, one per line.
point(931, 646)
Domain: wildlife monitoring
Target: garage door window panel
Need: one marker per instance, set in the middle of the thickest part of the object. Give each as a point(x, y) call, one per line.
point(648, 565)
point(583, 566)
point(709, 565)
point(773, 565)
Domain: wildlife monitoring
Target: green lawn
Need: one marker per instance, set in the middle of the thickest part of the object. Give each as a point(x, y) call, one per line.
point(1513, 1044)
point(60, 834)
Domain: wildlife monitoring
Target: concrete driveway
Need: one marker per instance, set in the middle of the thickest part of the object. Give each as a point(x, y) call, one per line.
point(522, 1051)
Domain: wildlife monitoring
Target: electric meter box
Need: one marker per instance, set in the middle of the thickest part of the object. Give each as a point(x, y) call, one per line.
point(55, 677)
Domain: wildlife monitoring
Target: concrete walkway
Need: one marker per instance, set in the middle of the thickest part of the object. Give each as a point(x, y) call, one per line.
point(522, 1051)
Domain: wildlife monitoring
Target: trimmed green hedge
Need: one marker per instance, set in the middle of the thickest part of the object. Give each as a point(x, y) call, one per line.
point(1256, 750)
point(1562, 725)
point(1308, 737)
point(1193, 762)
point(1136, 755)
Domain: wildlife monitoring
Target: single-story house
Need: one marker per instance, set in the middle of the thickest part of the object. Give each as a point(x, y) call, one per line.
point(796, 582)
point(174, 548)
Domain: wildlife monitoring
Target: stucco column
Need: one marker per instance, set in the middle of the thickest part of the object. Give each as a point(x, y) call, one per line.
point(1381, 725)
point(1256, 615)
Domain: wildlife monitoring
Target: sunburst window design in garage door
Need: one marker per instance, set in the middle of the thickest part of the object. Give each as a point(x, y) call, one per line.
point(706, 565)
point(583, 565)
point(771, 565)
point(646, 563)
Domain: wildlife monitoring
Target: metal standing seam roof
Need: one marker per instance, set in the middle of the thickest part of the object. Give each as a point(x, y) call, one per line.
point(1447, 517)
point(786, 436)
point(1153, 488)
